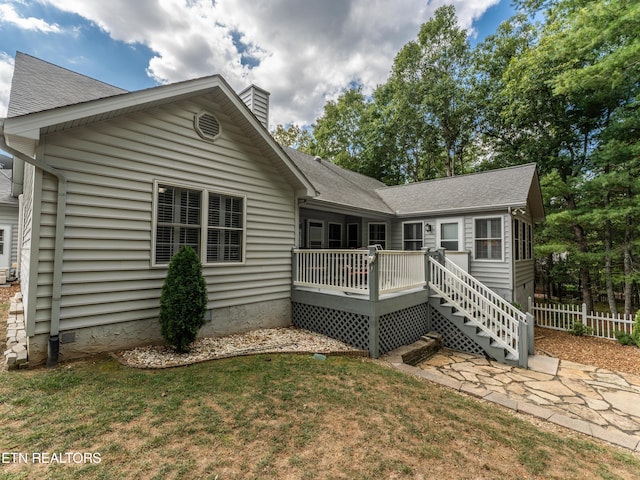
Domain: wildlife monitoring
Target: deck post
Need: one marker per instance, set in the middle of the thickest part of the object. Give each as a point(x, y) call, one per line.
point(374, 335)
point(530, 325)
point(438, 254)
point(427, 269)
point(374, 284)
point(294, 267)
point(523, 343)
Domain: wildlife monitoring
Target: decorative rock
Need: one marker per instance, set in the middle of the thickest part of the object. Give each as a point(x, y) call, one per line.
point(21, 357)
point(17, 354)
point(11, 358)
point(418, 351)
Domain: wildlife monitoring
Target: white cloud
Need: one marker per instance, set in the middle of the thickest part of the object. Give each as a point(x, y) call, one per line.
point(9, 15)
point(306, 52)
point(6, 72)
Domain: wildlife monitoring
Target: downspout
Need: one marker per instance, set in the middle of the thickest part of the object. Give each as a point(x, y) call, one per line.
point(54, 329)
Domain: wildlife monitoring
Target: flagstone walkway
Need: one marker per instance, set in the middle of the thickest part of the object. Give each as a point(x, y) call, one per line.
point(597, 402)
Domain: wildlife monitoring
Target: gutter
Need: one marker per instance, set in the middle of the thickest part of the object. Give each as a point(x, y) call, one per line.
point(53, 350)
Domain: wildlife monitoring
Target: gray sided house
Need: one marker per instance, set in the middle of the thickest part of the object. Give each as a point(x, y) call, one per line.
point(484, 221)
point(112, 183)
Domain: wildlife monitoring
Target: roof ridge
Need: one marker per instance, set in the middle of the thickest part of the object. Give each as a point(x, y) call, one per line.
point(465, 175)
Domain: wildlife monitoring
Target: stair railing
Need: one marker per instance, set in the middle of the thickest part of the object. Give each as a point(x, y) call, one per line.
point(504, 323)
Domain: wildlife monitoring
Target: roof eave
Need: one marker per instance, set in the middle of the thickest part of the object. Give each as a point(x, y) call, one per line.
point(26, 130)
point(346, 208)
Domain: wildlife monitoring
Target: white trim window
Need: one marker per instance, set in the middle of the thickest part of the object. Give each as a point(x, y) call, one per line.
point(412, 235)
point(211, 223)
point(488, 238)
point(225, 229)
point(378, 234)
point(449, 234)
point(522, 240)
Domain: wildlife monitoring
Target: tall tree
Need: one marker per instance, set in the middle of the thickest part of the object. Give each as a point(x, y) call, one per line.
point(430, 96)
point(294, 136)
point(338, 132)
point(564, 94)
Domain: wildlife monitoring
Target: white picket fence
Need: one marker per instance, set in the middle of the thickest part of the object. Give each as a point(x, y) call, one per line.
point(562, 317)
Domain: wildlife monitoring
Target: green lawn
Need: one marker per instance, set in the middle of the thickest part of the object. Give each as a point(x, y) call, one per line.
point(275, 416)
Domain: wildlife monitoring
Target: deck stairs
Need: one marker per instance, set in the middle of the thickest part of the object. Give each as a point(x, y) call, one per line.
point(501, 330)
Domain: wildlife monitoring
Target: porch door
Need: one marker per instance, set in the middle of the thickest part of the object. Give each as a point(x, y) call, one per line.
point(5, 246)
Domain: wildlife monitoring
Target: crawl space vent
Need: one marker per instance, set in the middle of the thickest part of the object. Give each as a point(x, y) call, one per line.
point(207, 126)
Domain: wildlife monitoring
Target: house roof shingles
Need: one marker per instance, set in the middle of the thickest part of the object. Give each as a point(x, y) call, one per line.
point(38, 85)
point(339, 186)
point(505, 187)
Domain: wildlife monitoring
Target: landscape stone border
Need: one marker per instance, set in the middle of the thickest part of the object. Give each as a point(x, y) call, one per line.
point(338, 353)
point(16, 355)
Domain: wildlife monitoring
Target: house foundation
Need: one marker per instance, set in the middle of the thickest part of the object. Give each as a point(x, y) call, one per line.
point(84, 342)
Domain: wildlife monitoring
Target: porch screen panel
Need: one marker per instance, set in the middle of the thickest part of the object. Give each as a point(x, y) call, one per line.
point(378, 234)
point(335, 235)
point(412, 234)
point(353, 235)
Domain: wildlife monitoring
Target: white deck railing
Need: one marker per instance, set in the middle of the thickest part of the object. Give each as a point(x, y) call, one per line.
point(490, 312)
point(343, 270)
point(352, 270)
point(400, 270)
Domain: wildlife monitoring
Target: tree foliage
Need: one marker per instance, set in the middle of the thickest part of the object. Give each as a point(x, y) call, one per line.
point(294, 136)
point(183, 300)
point(557, 84)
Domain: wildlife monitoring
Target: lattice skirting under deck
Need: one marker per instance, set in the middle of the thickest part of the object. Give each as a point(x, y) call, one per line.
point(452, 336)
point(351, 328)
point(403, 327)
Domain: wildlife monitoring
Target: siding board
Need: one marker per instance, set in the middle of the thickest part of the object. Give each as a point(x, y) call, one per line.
point(111, 167)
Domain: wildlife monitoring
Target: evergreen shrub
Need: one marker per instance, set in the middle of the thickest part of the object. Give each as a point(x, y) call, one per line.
point(624, 338)
point(635, 334)
point(579, 329)
point(183, 301)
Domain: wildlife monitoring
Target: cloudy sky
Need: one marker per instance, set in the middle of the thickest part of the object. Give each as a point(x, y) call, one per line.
point(304, 52)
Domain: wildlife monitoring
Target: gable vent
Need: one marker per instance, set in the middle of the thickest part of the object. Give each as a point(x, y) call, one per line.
point(207, 126)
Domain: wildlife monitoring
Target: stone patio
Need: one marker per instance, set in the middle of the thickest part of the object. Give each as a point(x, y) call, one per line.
point(597, 402)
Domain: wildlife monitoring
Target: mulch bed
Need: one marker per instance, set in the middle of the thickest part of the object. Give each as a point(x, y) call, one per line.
point(599, 352)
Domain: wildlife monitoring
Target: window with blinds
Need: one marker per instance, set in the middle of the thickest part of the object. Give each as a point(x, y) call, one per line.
point(488, 238)
point(225, 229)
point(187, 216)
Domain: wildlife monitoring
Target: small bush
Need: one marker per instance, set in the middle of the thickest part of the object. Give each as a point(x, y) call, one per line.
point(183, 301)
point(579, 329)
point(636, 329)
point(624, 338)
